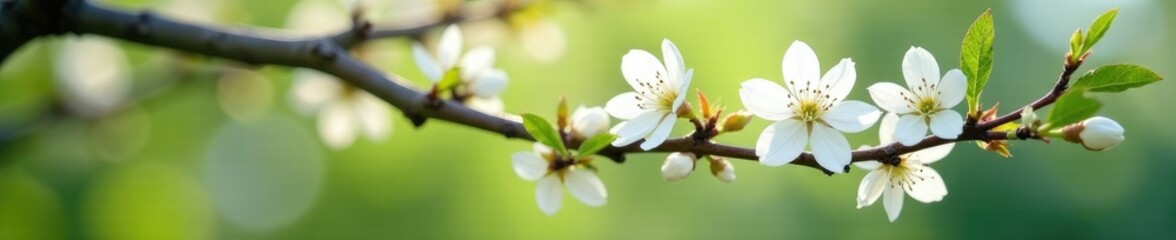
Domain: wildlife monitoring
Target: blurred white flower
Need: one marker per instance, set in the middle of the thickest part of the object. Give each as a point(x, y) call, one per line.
point(911, 175)
point(650, 111)
point(542, 38)
point(1096, 133)
point(927, 103)
point(479, 78)
point(589, 121)
point(810, 111)
point(677, 166)
point(344, 112)
point(92, 75)
point(553, 173)
point(318, 17)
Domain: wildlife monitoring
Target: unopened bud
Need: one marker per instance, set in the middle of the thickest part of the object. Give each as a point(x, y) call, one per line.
point(589, 121)
point(678, 166)
point(722, 169)
point(1028, 117)
point(562, 112)
point(1096, 133)
point(735, 121)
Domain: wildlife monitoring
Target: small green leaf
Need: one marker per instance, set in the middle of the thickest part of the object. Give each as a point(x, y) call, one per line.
point(1099, 27)
point(1076, 45)
point(976, 57)
point(450, 80)
point(1115, 78)
point(542, 131)
point(1072, 107)
point(595, 144)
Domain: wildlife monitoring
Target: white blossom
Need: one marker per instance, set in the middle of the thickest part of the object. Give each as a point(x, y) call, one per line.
point(677, 166)
point(810, 111)
point(344, 112)
point(589, 121)
point(553, 173)
point(651, 110)
point(479, 78)
point(911, 176)
point(926, 102)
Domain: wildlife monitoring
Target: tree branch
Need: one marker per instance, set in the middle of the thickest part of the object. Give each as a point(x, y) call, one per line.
point(329, 55)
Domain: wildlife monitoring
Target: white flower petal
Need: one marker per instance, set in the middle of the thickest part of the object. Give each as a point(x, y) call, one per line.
point(830, 148)
point(528, 166)
point(585, 186)
point(338, 125)
point(675, 66)
point(918, 66)
point(852, 116)
point(947, 124)
point(541, 149)
point(928, 186)
point(625, 106)
point(312, 90)
point(636, 128)
point(801, 67)
point(781, 142)
point(549, 194)
point(868, 165)
point(489, 84)
point(660, 134)
point(449, 47)
point(429, 67)
point(886, 128)
point(892, 201)
point(639, 66)
point(952, 89)
point(476, 62)
point(840, 79)
point(765, 99)
point(682, 90)
point(373, 116)
point(932, 154)
point(871, 187)
point(910, 129)
point(891, 97)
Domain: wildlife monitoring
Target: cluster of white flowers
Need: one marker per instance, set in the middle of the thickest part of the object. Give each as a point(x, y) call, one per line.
point(480, 81)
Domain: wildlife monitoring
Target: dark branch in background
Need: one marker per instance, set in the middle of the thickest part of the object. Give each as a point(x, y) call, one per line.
point(330, 55)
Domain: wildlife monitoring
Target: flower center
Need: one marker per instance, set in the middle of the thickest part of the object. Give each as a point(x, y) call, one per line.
point(809, 102)
point(904, 174)
point(927, 105)
point(657, 92)
point(809, 111)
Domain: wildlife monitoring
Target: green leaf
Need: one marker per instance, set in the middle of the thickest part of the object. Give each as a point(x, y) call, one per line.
point(595, 144)
point(976, 57)
point(1099, 27)
point(1076, 45)
point(1115, 78)
point(1072, 107)
point(542, 131)
point(450, 80)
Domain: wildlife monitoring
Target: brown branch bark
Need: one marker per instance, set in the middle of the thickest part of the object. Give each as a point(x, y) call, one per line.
point(329, 55)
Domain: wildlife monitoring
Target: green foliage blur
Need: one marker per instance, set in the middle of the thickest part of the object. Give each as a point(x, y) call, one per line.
point(209, 155)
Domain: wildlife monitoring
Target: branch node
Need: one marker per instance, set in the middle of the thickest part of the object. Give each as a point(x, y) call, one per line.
point(417, 120)
point(143, 26)
point(324, 49)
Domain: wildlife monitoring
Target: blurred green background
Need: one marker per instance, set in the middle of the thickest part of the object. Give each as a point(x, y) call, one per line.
point(198, 153)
